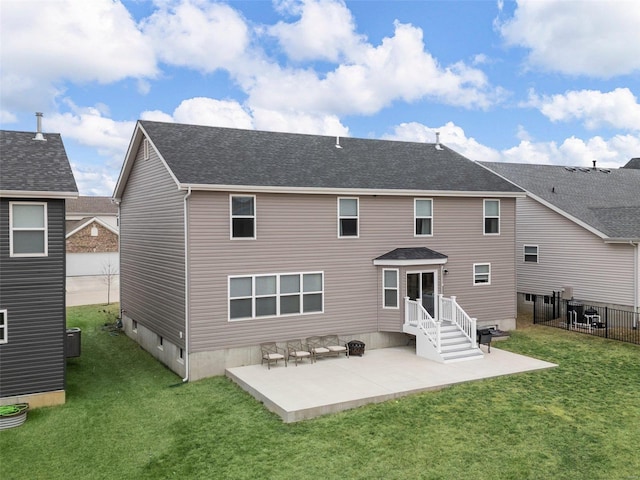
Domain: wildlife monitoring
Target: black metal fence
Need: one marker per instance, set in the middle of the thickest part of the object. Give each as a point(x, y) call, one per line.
point(579, 316)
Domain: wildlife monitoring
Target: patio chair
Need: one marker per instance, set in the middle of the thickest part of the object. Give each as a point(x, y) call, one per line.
point(272, 353)
point(298, 351)
point(335, 344)
point(316, 347)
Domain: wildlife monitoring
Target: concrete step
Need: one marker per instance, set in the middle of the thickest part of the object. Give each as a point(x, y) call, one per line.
point(462, 355)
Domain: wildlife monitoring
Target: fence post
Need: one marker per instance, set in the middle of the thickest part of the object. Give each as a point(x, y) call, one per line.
point(535, 319)
point(606, 322)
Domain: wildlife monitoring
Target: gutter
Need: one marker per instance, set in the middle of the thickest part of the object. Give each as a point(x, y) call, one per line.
point(186, 286)
point(636, 287)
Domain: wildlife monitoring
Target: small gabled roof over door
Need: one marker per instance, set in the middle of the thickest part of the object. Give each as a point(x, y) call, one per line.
point(411, 256)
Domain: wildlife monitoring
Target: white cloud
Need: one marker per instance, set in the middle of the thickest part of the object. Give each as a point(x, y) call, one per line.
point(231, 114)
point(94, 180)
point(618, 108)
point(197, 34)
point(325, 30)
point(88, 127)
point(75, 40)
point(208, 111)
point(596, 38)
point(611, 153)
point(373, 78)
point(451, 135)
point(299, 122)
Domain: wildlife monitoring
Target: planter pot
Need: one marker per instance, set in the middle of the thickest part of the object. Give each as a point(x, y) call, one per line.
point(13, 415)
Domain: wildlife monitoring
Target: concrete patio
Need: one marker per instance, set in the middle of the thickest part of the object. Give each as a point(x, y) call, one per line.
point(334, 384)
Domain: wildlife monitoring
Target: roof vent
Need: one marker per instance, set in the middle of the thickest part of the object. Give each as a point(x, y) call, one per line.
point(585, 170)
point(605, 170)
point(594, 164)
point(438, 146)
point(338, 142)
point(39, 135)
point(570, 169)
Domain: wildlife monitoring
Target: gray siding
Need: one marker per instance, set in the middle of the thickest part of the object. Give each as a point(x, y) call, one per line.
point(570, 255)
point(33, 292)
point(152, 250)
point(298, 233)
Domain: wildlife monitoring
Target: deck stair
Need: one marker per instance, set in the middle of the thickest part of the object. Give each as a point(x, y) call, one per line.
point(447, 340)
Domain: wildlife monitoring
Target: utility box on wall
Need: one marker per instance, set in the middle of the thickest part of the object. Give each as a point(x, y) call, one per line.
point(567, 293)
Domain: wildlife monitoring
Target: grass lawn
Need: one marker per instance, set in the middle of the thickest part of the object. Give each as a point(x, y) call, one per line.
point(127, 417)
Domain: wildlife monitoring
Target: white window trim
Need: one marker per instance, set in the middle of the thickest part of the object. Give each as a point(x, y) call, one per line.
point(524, 253)
point(484, 215)
point(475, 283)
point(145, 148)
point(357, 217)
point(4, 325)
point(254, 217)
point(415, 217)
point(396, 288)
point(45, 229)
point(278, 295)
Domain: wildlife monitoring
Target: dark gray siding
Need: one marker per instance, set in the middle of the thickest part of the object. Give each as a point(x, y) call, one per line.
point(152, 250)
point(33, 292)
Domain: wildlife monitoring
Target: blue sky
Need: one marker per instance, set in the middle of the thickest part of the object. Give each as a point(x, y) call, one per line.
point(554, 81)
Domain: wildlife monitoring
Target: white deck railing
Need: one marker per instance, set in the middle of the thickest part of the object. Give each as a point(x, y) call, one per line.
point(450, 311)
point(447, 310)
point(416, 316)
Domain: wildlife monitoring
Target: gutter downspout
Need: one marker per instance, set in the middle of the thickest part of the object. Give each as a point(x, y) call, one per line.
point(117, 201)
point(186, 286)
point(636, 286)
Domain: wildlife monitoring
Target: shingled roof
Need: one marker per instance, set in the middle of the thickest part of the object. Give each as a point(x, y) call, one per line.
point(34, 168)
point(202, 156)
point(607, 200)
point(91, 206)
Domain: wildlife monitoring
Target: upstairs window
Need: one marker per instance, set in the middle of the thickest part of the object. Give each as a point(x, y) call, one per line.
point(481, 273)
point(531, 253)
point(423, 214)
point(243, 216)
point(492, 217)
point(28, 222)
point(347, 217)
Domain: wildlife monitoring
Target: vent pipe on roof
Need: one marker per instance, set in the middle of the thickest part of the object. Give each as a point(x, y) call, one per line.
point(438, 146)
point(594, 164)
point(338, 142)
point(39, 135)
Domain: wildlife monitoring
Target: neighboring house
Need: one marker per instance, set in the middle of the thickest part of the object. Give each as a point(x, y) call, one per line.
point(578, 231)
point(230, 238)
point(35, 181)
point(92, 250)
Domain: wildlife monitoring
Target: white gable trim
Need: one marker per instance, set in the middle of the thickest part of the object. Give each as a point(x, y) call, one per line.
point(89, 222)
point(138, 135)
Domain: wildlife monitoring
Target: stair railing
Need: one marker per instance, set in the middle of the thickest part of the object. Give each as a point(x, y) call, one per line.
point(415, 315)
point(450, 311)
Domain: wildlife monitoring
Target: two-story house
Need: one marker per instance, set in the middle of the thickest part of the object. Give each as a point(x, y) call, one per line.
point(230, 238)
point(35, 181)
